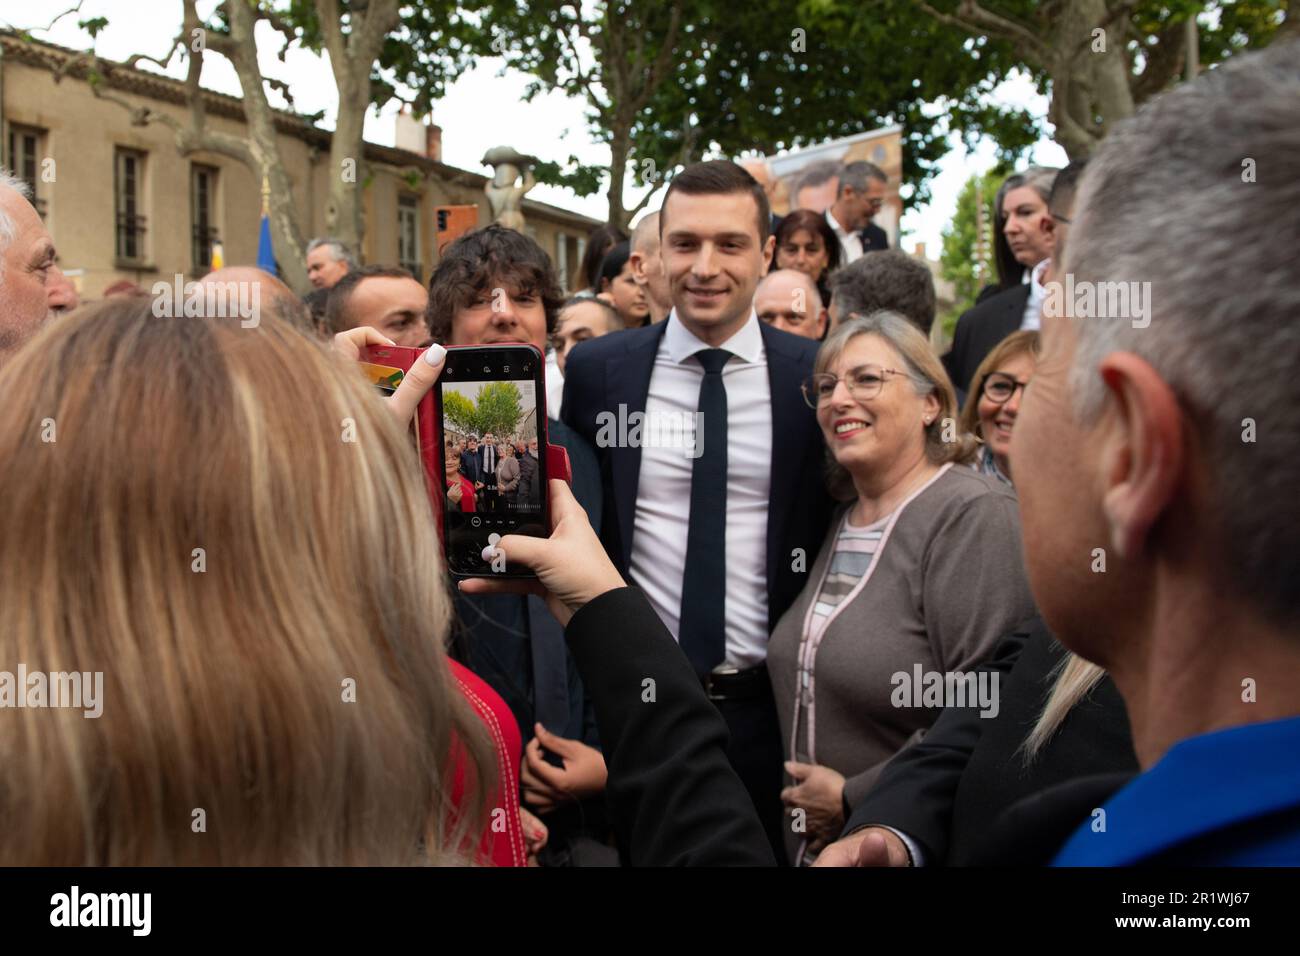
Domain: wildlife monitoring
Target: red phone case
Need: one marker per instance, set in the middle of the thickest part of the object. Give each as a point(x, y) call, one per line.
point(428, 418)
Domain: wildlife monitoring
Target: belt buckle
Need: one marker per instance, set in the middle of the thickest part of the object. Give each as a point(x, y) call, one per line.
point(722, 670)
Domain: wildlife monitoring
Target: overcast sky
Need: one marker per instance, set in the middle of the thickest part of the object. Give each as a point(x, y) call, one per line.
point(482, 109)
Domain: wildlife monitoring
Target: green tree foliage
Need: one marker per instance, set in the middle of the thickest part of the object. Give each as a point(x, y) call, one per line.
point(499, 408)
point(460, 411)
point(967, 258)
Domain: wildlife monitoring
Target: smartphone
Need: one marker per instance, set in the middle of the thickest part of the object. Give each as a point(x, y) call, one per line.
point(491, 405)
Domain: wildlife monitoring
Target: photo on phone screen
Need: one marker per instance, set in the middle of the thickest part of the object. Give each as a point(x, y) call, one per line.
point(492, 402)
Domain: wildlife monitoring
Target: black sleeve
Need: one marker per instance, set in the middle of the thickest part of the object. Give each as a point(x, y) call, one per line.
point(917, 789)
point(672, 796)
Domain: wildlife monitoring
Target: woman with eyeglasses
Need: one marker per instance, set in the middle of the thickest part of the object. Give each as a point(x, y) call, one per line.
point(919, 582)
point(993, 400)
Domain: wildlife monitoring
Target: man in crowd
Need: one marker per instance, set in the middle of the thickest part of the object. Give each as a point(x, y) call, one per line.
point(273, 296)
point(27, 262)
point(385, 298)
point(648, 268)
point(582, 319)
point(859, 196)
point(708, 527)
point(513, 642)
point(1030, 232)
point(1138, 438)
point(487, 464)
point(790, 301)
point(328, 261)
point(888, 279)
point(471, 465)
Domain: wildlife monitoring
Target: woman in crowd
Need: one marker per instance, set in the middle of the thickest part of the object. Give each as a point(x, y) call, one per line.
point(507, 474)
point(993, 400)
point(460, 490)
point(602, 239)
point(618, 286)
point(268, 661)
point(806, 242)
point(922, 576)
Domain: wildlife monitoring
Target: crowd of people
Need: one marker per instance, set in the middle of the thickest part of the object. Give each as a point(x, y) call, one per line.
point(1030, 601)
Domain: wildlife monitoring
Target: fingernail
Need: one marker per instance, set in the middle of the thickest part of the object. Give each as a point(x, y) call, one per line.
point(489, 553)
point(434, 354)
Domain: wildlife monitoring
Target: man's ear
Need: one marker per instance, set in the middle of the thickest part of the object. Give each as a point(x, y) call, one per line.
point(637, 262)
point(769, 253)
point(1142, 453)
point(822, 318)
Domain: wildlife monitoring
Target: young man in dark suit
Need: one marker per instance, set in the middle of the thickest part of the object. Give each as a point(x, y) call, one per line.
point(717, 527)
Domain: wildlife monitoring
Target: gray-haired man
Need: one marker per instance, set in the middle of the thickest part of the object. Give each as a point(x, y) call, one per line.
point(328, 261)
point(27, 263)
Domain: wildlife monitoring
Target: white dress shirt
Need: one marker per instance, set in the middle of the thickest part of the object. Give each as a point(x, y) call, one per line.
point(850, 241)
point(1033, 319)
point(663, 500)
point(554, 385)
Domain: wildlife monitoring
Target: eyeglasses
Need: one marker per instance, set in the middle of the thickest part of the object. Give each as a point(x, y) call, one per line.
point(863, 382)
point(999, 388)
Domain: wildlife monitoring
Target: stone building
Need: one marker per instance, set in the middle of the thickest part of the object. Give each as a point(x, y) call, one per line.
point(122, 203)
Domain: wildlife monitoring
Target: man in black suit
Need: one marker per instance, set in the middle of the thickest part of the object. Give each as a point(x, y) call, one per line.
point(1036, 212)
point(719, 523)
point(470, 463)
point(858, 197)
point(487, 464)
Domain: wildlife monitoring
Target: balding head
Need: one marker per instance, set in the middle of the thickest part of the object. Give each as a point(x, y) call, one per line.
point(273, 294)
point(26, 261)
point(648, 268)
point(790, 301)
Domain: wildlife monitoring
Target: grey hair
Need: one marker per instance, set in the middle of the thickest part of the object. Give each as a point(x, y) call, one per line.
point(1167, 200)
point(886, 279)
point(7, 229)
point(1038, 178)
point(858, 174)
point(944, 440)
point(338, 251)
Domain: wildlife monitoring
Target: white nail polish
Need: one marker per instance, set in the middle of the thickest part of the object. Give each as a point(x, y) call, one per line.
point(434, 354)
point(489, 553)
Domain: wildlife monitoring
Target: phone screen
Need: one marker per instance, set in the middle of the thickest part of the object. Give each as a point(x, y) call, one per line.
point(493, 407)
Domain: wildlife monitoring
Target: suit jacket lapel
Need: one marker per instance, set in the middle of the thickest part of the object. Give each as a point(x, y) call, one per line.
point(628, 387)
point(783, 374)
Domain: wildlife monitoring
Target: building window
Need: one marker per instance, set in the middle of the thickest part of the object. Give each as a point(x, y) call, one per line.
point(24, 159)
point(203, 204)
point(408, 234)
point(128, 188)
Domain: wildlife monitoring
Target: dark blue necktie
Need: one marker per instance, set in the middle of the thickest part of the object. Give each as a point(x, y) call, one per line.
point(702, 632)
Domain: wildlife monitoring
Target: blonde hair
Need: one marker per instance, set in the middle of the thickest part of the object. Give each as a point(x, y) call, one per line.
point(227, 524)
point(1024, 342)
point(1074, 680)
point(927, 375)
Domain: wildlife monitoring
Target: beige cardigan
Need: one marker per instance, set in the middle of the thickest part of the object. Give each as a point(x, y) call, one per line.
point(948, 584)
